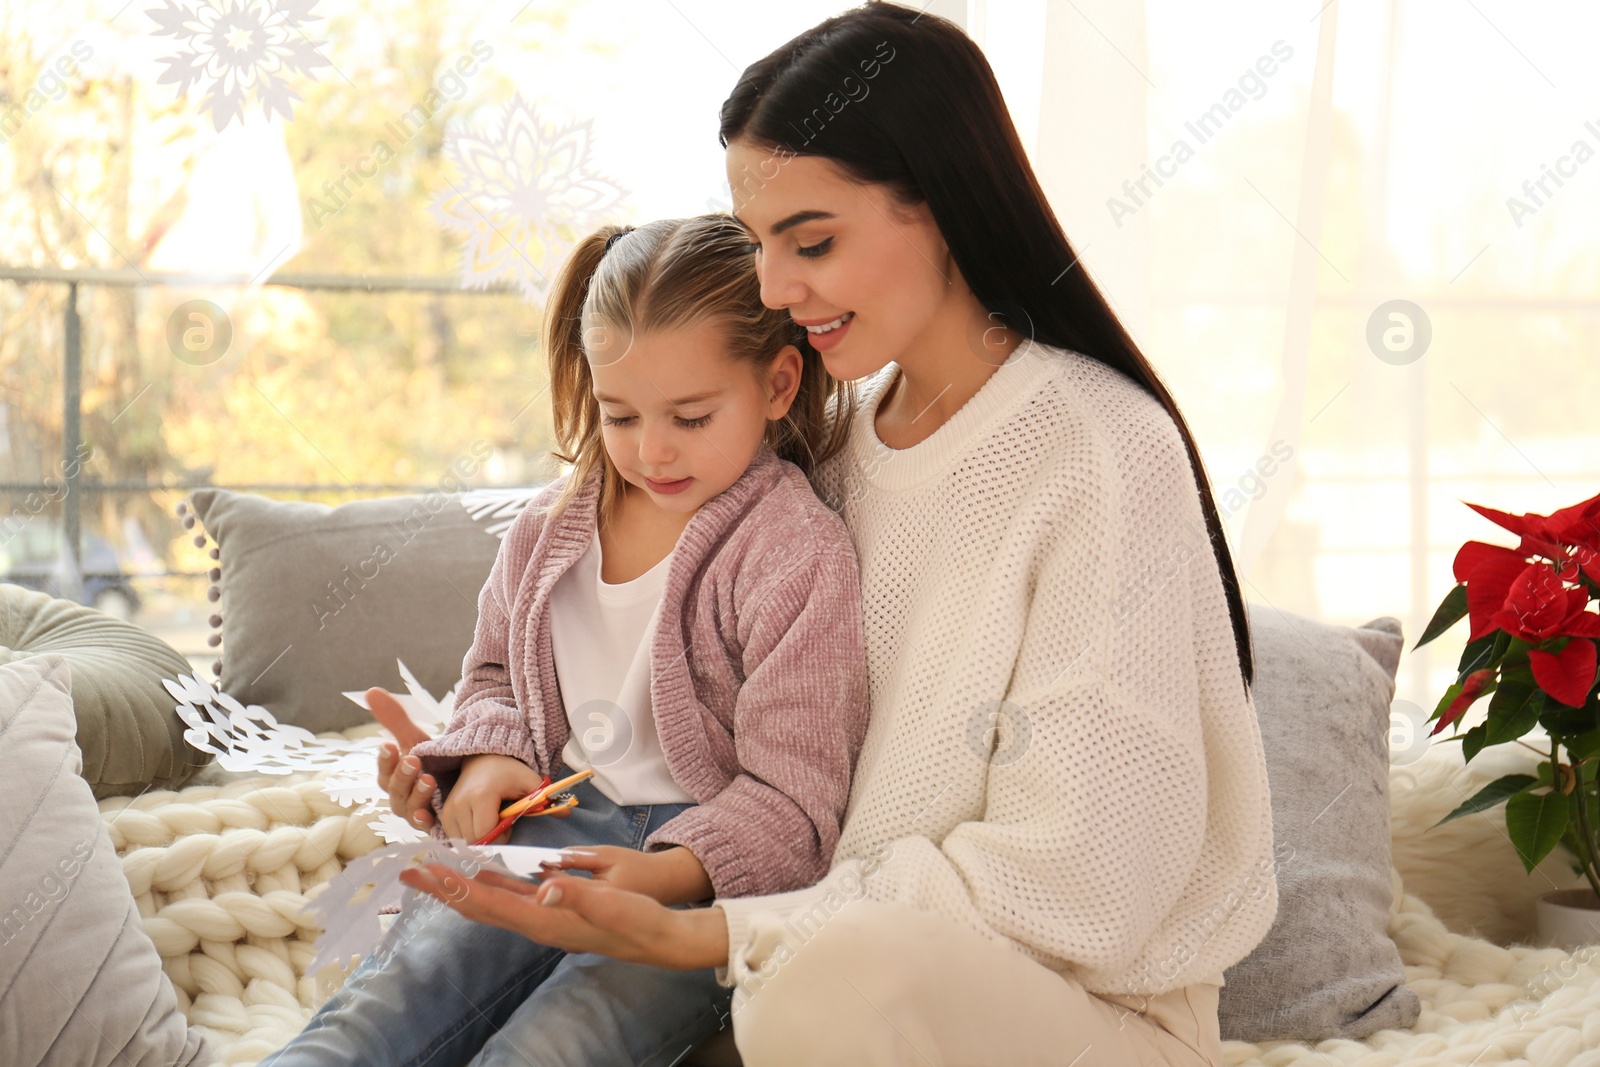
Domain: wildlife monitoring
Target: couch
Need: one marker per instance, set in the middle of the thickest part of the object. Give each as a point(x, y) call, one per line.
point(220, 864)
point(220, 872)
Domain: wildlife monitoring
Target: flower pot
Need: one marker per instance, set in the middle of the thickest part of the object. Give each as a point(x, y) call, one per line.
point(1569, 918)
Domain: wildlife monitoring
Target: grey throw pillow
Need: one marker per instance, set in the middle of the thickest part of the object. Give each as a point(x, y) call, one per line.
point(80, 982)
point(1327, 968)
point(130, 736)
point(317, 600)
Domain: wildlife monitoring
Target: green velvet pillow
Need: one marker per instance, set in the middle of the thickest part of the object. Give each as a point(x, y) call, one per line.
point(129, 734)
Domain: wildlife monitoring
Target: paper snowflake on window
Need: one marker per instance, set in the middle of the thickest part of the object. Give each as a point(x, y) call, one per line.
point(250, 738)
point(238, 49)
point(525, 193)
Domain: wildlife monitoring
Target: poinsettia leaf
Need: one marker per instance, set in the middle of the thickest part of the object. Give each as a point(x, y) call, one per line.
point(1511, 690)
point(1474, 656)
point(1460, 697)
point(1514, 653)
point(1490, 795)
point(1585, 744)
point(1545, 778)
point(1536, 822)
point(1568, 675)
point(1482, 652)
point(1446, 701)
point(1472, 742)
point(1519, 674)
point(1536, 603)
point(1473, 554)
point(1451, 611)
point(1488, 587)
point(1517, 524)
point(1513, 711)
point(1583, 624)
point(1580, 522)
point(1569, 724)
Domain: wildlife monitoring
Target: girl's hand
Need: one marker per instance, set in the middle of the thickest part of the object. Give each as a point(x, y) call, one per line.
point(671, 876)
point(582, 915)
point(486, 781)
point(410, 792)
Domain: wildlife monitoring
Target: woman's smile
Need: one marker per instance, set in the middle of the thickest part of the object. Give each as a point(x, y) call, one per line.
point(826, 335)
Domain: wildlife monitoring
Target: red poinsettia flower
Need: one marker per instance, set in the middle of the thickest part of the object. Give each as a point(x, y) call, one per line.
point(1539, 606)
point(1583, 558)
point(1570, 537)
point(1471, 690)
point(1536, 601)
point(1488, 571)
point(1577, 526)
point(1567, 675)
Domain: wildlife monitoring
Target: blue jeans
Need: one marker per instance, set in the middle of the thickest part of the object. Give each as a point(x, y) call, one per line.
point(456, 992)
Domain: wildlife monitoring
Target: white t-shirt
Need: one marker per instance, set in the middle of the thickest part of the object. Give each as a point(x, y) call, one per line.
point(601, 637)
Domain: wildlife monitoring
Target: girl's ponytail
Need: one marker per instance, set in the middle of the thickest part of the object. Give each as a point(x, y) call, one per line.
point(574, 412)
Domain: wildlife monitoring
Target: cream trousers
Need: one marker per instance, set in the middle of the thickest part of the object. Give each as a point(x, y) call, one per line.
point(887, 984)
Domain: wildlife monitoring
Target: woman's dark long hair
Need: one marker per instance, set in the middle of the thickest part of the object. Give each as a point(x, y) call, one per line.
point(937, 131)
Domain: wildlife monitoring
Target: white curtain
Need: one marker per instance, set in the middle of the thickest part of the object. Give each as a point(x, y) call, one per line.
point(1325, 224)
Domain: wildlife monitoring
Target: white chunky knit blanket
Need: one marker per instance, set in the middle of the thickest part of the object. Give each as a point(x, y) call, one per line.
point(220, 873)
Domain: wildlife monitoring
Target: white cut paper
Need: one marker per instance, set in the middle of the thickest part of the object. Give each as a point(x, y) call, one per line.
point(430, 714)
point(497, 509)
point(523, 860)
point(348, 907)
point(252, 739)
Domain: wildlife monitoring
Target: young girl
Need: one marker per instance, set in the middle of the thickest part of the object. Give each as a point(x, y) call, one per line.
point(679, 614)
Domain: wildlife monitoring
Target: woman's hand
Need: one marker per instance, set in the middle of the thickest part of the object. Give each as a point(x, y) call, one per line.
point(582, 915)
point(671, 876)
point(410, 792)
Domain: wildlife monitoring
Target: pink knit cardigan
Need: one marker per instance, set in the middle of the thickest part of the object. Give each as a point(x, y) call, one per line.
point(761, 721)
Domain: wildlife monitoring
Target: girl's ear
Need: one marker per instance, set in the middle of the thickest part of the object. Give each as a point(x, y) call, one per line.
point(783, 381)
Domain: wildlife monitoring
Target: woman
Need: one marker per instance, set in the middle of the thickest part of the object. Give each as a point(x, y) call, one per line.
point(1059, 834)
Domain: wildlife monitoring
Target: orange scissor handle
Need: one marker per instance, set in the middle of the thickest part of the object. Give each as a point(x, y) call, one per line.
point(560, 802)
point(535, 803)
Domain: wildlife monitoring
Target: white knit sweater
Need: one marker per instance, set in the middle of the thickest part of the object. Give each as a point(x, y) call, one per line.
point(1061, 753)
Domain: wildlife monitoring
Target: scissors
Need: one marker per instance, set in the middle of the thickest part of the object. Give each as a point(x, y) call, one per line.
point(542, 801)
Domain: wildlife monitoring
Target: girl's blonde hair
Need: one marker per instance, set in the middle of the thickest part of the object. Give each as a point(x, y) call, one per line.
point(663, 275)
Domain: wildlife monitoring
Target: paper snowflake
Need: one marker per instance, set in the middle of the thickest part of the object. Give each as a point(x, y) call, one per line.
point(497, 508)
point(250, 738)
point(430, 714)
point(238, 49)
point(349, 907)
point(526, 192)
